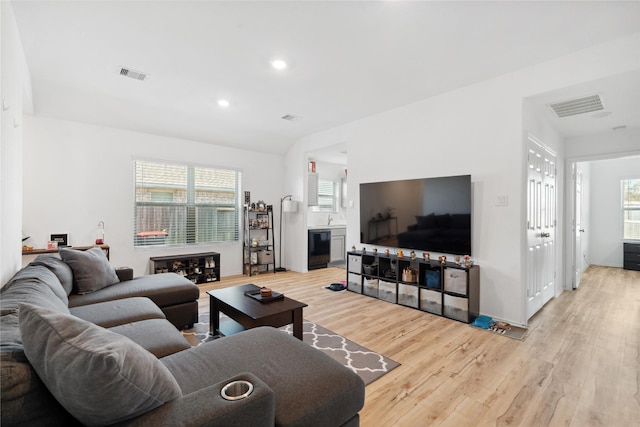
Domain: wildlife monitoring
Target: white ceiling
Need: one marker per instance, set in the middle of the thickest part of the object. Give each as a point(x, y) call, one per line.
point(348, 60)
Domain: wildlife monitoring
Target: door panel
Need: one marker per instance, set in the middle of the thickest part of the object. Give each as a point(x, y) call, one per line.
point(577, 262)
point(541, 225)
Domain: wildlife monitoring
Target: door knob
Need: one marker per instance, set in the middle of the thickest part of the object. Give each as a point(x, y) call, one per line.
point(581, 230)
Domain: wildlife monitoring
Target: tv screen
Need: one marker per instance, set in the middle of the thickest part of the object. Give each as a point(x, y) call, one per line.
point(430, 214)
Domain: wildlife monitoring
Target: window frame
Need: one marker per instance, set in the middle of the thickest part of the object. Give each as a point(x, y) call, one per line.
point(624, 184)
point(190, 233)
point(335, 196)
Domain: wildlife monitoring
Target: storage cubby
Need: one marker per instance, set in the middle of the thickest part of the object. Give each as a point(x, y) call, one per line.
point(451, 290)
point(199, 268)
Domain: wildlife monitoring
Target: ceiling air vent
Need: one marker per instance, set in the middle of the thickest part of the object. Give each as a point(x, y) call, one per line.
point(290, 117)
point(138, 75)
point(573, 107)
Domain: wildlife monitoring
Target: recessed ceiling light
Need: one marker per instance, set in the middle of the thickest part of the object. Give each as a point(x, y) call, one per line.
point(223, 103)
point(279, 64)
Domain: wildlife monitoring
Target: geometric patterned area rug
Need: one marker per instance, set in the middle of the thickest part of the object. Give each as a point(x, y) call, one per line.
point(368, 364)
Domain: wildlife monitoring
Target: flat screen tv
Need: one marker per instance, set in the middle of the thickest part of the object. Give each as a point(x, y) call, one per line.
point(430, 214)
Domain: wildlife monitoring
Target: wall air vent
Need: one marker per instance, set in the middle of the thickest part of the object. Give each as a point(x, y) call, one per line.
point(577, 106)
point(290, 117)
point(138, 75)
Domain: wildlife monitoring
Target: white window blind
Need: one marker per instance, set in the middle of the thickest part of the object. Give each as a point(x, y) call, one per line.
point(631, 208)
point(181, 204)
point(327, 196)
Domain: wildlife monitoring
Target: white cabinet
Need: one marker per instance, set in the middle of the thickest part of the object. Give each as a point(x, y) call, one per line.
point(338, 244)
point(312, 189)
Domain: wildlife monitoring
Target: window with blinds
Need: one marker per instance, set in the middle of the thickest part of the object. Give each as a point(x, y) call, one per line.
point(327, 196)
point(631, 208)
point(179, 204)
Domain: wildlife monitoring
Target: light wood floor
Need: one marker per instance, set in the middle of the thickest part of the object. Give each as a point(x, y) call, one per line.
point(578, 366)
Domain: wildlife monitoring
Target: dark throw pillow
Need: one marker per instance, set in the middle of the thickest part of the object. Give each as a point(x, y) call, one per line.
point(99, 376)
point(91, 269)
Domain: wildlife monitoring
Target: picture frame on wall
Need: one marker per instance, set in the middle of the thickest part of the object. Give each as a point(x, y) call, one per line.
point(61, 239)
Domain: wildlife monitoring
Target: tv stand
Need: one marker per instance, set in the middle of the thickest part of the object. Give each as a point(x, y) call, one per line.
point(450, 290)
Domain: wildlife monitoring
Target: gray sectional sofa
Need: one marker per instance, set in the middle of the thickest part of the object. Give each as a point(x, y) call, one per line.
point(74, 352)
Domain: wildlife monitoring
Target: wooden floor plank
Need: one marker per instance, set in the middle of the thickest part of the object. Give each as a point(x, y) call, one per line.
point(579, 364)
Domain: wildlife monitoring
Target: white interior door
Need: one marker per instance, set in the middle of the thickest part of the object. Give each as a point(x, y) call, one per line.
point(541, 226)
point(577, 256)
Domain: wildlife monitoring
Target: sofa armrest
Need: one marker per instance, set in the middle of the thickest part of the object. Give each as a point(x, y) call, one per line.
point(124, 273)
point(206, 407)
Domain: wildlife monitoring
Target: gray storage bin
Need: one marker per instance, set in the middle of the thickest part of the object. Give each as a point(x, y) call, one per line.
point(408, 295)
point(431, 301)
point(370, 287)
point(265, 257)
point(456, 308)
point(455, 280)
point(355, 263)
point(387, 291)
point(354, 283)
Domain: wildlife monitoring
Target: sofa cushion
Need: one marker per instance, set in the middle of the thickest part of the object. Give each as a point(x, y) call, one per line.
point(295, 371)
point(119, 312)
point(30, 291)
point(158, 336)
point(40, 276)
point(99, 376)
point(58, 267)
point(163, 289)
point(91, 269)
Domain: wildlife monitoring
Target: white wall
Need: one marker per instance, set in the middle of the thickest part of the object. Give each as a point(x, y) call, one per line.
point(16, 96)
point(477, 130)
point(605, 209)
point(76, 175)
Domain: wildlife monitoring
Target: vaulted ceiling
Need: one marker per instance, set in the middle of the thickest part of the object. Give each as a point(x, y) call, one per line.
point(346, 60)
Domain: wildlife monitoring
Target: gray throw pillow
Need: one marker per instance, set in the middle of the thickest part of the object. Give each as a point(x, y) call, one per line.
point(99, 376)
point(91, 269)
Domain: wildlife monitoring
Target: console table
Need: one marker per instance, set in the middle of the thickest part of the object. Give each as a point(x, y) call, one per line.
point(105, 248)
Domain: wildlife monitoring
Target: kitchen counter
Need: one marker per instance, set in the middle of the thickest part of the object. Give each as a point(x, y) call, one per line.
point(326, 227)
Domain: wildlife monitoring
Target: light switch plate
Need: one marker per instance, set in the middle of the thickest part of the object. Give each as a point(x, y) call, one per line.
point(502, 200)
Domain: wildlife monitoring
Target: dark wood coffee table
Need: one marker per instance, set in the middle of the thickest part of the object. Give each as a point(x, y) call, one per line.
point(251, 313)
